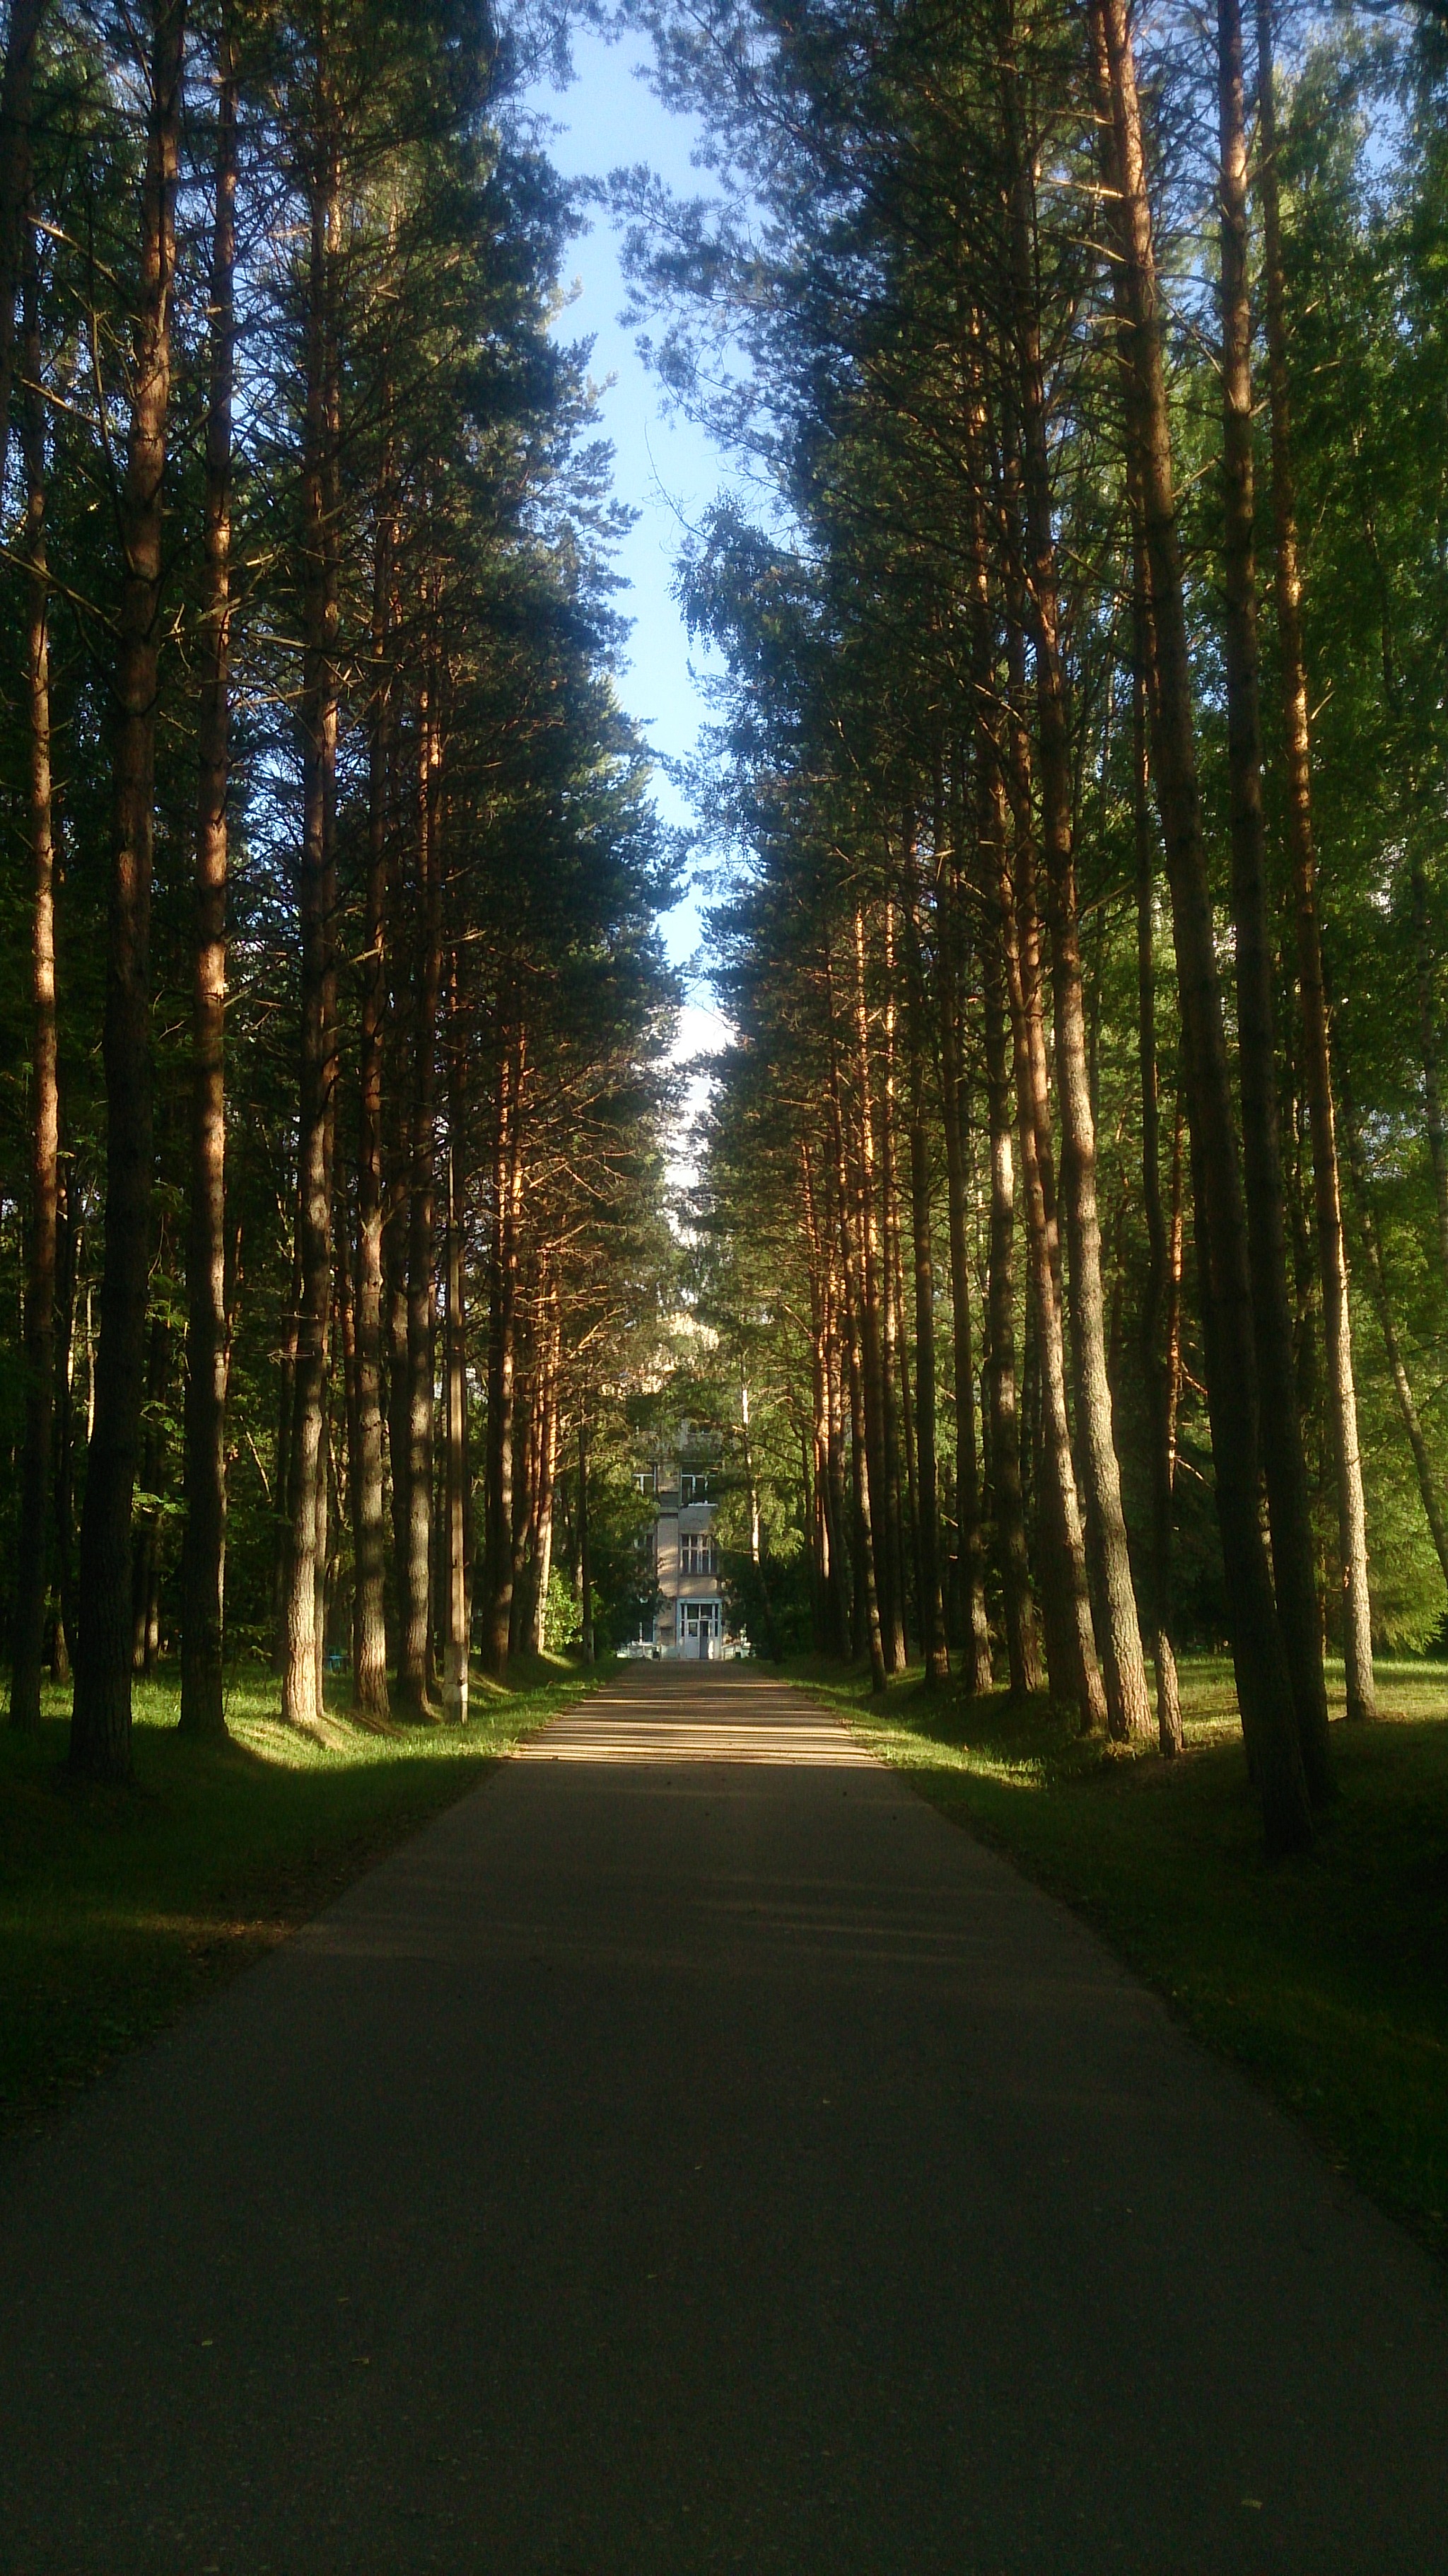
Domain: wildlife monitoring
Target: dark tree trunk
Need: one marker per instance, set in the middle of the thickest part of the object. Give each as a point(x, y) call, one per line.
point(1288, 1504)
point(317, 897)
point(867, 1598)
point(502, 1364)
point(100, 1735)
point(1128, 1710)
point(585, 1549)
point(455, 1393)
point(970, 1549)
point(207, 1355)
point(414, 1663)
point(32, 1532)
point(1316, 1039)
point(1158, 1282)
point(369, 1533)
point(1263, 1686)
point(1023, 1644)
point(932, 1604)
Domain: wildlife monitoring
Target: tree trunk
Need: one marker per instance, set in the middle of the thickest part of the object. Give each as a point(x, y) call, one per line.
point(1316, 1039)
point(932, 1605)
point(1023, 1644)
point(1154, 1301)
point(317, 898)
point(1128, 1710)
point(970, 1551)
point(502, 1363)
point(867, 1596)
point(67, 1258)
point(32, 1532)
point(100, 1735)
point(1288, 1506)
point(207, 1354)
point(1263, 1686)
point(585, 1551)
point(414, 1662)
point(369, 1534)
point(456, 1636)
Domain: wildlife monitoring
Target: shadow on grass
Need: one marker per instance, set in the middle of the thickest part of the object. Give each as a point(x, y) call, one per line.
point(1327, 1976)
point(119, 1905)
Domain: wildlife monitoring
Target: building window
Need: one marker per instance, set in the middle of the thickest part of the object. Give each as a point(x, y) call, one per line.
point(646, 1480)
point(694, 1485)
point(696, 1553)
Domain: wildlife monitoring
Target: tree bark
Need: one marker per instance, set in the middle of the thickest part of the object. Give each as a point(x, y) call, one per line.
point(970, 1549)
point(502, 1361)
point(867, 1596)
point(369, 1534)
point(1316, 1035)
point(414, 1662)
point(1023, 1644)
point(100, 1735)
point(456, 1637)
point(585, 1544)
point(1259, 1658)
point(932, 1604)
point(32, 1532)
point(207, 1339)
point(1154, 1301)
point(1128, 1711)
point(317, 898)
point(1288, 1505)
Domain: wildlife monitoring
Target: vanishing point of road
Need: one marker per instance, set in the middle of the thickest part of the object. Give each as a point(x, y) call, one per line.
point(692, 2153)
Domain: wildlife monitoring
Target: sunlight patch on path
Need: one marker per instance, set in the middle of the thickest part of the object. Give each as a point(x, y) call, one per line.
point(612, 1734)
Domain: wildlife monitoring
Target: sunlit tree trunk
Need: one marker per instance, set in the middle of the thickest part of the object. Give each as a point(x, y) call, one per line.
point(100, 1737)
point(207, 1354)
point(32, 1529)
point(1429, 1495)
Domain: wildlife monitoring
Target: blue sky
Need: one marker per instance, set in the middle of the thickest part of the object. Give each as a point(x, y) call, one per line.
point(664, 468)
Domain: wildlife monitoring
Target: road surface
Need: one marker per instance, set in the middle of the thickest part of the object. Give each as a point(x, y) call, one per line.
point(692, 2153)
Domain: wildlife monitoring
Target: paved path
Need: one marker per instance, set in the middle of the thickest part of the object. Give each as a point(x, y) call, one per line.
point(692, 2153)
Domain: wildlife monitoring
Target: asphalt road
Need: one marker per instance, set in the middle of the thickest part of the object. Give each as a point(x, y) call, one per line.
point(690, 2153)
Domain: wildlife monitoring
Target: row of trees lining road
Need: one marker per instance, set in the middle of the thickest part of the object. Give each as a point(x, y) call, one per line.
point(1076, 1193)
point(335, 1016)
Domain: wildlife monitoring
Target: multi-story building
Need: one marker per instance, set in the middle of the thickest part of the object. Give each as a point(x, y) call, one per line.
point(682, 1482)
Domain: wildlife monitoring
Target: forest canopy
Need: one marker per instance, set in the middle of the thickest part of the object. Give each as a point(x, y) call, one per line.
point(1070, 1235)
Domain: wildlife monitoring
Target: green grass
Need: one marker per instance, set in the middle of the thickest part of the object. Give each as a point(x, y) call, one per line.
point(1327, 1978)
point(118, 1906)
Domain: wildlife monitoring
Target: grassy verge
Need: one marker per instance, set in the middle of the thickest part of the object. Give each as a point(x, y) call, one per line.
point(1326, 1977)
point(117, 1906)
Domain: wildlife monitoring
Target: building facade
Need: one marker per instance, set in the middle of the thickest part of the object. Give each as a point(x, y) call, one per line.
point(691, 1621)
